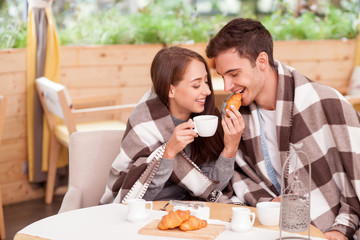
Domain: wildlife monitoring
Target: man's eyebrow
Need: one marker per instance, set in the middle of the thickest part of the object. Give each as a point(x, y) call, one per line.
point(230, 70)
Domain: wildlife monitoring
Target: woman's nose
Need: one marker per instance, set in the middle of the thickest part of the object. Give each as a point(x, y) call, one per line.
point(206, 90)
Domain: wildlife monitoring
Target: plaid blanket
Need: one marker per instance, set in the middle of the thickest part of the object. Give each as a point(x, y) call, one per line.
point(148, 129)
point(328, 128)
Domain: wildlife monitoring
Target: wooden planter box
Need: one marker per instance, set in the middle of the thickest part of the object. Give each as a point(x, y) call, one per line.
point(329, 62)
point(124, 70)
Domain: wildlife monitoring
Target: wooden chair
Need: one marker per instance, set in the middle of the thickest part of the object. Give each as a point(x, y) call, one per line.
point(90, 157)
point(57, 104)
point(2, 117)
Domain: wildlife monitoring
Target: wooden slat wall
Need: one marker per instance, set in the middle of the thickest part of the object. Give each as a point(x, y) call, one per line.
point(329, 62)
point(102, 70)
point(14, 183)
point(124, 70)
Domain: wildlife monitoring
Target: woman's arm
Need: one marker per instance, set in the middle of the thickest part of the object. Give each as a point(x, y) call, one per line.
point(221, 170)
point(161, 177)
point(181, 137)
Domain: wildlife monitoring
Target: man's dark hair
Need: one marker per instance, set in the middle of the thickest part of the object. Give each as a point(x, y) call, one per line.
point(248, 36)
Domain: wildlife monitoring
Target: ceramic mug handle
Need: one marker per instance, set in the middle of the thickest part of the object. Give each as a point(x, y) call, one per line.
point(195, 128)
point(150, 208)
point(253, 218)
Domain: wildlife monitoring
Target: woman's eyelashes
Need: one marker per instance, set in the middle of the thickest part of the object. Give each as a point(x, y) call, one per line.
point(199, 85)
point(199, 81)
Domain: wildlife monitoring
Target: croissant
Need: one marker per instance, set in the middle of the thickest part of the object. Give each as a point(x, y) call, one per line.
point(234, 100)
point(193, 223)
point(173, 219)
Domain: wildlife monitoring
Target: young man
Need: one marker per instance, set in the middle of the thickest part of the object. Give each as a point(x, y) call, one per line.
point(284, 111)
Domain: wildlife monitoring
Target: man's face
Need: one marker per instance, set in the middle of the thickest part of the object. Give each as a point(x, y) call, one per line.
point(239, 75)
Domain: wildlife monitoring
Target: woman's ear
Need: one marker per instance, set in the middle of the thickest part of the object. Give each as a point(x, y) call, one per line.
point(262, 60)
point(171, 91)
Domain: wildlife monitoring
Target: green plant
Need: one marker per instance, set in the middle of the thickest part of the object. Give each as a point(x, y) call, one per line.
point(336, 23)
point(165, 23)
point(169, 22)
point(99, 28)
point(13, 32)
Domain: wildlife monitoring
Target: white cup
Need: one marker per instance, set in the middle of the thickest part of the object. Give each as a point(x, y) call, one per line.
point(205, 125)
point(137, 210)
point(268, 213)
point(241, 220)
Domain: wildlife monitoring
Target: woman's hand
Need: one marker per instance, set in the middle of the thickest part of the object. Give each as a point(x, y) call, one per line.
point(183, 135)
point(233, 129)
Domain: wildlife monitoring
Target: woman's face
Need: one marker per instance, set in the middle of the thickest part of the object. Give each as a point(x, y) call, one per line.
point(189, 95)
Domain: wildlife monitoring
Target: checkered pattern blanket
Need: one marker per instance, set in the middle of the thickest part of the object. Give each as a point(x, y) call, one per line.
point(148, 129)
point(328, 128)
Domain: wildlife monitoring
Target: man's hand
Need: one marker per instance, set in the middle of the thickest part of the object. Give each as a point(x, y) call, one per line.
point(233, 128)
point(335, 235)
point(277, 199)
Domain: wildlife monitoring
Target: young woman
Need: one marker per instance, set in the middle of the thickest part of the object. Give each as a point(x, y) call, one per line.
point(161, 156)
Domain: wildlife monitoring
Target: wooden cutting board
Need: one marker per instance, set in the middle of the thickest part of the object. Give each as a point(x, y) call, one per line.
point(211, 231)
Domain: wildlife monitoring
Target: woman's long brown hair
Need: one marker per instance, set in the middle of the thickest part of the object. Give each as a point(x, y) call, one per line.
point(168, 68)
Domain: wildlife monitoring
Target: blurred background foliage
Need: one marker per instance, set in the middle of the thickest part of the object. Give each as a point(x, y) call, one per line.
point(86, 22)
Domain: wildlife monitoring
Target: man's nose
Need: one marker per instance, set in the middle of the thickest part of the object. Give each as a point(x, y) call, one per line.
point(228, 85)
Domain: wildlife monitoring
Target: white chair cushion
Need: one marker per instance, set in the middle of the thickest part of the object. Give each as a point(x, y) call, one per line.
point(90, 157)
